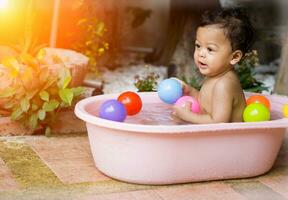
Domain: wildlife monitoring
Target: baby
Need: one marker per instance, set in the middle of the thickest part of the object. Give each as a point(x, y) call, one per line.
point(222, 39)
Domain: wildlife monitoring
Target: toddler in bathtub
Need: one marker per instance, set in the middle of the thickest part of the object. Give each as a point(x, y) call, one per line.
point(222, 39)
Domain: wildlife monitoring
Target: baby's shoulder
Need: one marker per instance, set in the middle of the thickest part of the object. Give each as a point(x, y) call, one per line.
point(229, 83)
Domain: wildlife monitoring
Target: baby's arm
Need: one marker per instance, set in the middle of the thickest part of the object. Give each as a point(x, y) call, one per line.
point(222, 103)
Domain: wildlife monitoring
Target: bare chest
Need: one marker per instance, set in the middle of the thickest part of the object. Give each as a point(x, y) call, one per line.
point(206, 97)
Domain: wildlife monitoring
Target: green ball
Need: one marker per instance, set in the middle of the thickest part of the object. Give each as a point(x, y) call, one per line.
point(256, 112)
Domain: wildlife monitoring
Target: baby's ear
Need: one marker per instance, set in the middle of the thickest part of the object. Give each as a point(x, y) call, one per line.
point(236, 57)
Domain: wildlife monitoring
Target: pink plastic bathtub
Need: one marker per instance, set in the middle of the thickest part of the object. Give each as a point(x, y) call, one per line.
point(169, 154)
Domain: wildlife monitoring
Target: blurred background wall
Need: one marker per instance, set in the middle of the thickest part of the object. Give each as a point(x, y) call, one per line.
point(268, 16)
point(158, 32)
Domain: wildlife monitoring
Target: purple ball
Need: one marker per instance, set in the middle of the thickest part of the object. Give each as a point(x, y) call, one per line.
point(113, 110)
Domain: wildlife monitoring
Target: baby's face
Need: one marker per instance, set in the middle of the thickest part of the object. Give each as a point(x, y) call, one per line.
point(213, 51)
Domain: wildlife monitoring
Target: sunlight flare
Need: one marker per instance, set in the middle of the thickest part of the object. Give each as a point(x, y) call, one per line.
point(3, 4)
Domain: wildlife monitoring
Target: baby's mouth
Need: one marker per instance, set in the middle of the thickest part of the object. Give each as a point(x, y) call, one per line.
point(202, 65)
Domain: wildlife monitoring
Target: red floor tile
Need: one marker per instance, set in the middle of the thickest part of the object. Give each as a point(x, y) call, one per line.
point(68, 157)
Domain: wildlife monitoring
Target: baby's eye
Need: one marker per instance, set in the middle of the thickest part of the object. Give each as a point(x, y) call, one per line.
point(197, 46)
point(210, 49)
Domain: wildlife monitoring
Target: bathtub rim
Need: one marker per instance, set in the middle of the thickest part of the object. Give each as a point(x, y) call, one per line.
point(170, 129)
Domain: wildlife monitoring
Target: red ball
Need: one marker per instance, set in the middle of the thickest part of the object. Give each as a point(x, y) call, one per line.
point(131, 101)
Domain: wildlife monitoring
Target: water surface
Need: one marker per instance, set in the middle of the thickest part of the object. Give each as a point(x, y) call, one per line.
point(155, 114)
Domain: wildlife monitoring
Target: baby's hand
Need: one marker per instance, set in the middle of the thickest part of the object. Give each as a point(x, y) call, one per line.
point(182, 111)
point(186, 88)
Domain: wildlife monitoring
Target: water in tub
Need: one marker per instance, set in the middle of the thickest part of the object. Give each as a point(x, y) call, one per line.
point(150, 114)
point(154, 114)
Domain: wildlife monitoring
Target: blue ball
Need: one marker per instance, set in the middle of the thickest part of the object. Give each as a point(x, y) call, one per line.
point(113, 110)
point(169, 91)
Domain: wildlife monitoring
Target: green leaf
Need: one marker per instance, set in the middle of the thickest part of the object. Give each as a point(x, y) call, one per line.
point(30, 94)
point(66, 95)
point(34, 107)
point(100, 28)
point(16, 114)
point(8, 92)
point(82, 21)
point(65, 78)
point(66, 81)
point(50, 81)
point(257, 89)
point(63, 105)
point(25, 104)
point(41, 114)
point(50, 106)
point(33, 121)
point(47, 131)
point(77, 91)
point(44, 95)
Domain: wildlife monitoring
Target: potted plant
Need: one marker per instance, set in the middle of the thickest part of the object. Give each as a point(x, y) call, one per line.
point(36, 82)
point(34, 90)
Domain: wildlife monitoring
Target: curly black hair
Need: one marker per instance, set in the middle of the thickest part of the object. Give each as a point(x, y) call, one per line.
point(236, 25)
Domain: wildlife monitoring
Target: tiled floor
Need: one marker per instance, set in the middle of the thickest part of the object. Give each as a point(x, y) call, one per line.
point(67, 157)
point(68, 161)
point(7, 182)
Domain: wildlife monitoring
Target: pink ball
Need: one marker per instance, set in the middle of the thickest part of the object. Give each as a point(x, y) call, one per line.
point(195, 106)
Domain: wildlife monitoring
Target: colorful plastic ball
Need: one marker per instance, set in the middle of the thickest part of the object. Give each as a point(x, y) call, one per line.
point(256, 112)
point(195, 106)
point(285, 110)
point(113, 110)
point(169, 90)
point(258, 99)
point(131, 101)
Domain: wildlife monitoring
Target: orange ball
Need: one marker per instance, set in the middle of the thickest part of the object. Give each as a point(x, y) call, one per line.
point(258, 99)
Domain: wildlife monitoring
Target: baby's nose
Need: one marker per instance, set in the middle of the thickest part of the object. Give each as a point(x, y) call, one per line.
point(202, 53)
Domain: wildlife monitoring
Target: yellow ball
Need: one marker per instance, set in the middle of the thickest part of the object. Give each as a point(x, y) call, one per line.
point(285, 110)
